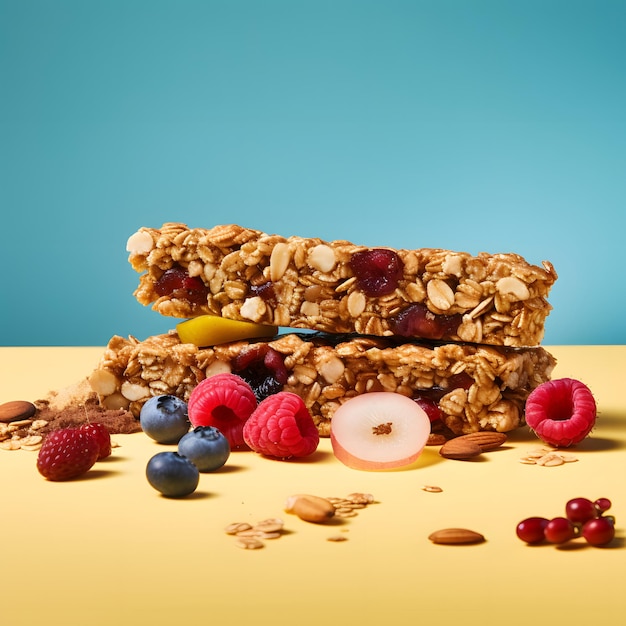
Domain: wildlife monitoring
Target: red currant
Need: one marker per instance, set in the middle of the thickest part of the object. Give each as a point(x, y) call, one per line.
point(599, 531)
point(559, 530)
point(580, 510)
point(532, 529)
point(602, 504)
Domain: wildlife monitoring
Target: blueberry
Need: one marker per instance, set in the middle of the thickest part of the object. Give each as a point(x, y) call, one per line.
point(206, 447)
point(164, 419)
point(172, 474)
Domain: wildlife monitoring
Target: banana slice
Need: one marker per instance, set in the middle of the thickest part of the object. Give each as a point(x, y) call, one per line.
point(211, 330)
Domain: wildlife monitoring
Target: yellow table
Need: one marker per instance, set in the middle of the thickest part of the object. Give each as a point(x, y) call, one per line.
point(108, 549)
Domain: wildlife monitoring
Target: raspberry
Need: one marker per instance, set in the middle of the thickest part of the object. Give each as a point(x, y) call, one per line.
point(561, 412)
point(100, 433)
point(282, 427)
point(67, 453)
point(224, 401)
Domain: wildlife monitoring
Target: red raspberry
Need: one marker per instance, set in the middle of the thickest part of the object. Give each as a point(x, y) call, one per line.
point(282, 427)
point(224, 401)
point(67, 453)
point(102, 436)
point(561, 412)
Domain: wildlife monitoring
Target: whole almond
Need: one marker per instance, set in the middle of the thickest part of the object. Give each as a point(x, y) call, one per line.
point(16, 410)
point(460, 449)
point(310, 508)
point(487, 440)
point(456, 536)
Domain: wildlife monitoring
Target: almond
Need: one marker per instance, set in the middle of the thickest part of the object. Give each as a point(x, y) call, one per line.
point(460, 449)
point(16, 410)
point(456, 536)
point(487, 440)
point(310, 508)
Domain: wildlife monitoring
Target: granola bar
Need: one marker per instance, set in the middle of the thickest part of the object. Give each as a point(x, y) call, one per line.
point(296, 282)
point(476, 387)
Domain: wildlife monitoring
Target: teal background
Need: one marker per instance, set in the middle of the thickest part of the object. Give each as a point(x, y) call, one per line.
point(469, 125)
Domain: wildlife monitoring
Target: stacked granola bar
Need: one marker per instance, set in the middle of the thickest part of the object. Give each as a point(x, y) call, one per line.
point(462, 331)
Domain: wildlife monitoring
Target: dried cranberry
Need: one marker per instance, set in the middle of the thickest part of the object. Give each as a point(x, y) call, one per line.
point(177, 283)
point(263, 368)
point(265, 291)
point(417, 321)
point(460, 381)
point(377, 271)
point(430, 406)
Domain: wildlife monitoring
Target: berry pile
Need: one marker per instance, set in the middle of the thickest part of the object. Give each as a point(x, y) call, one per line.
point(222, 414)
point(583, 518)
point(279, 426)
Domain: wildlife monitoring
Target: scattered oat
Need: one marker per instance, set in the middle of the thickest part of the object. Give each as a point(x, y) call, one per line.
point(251, 537)
point(547, 457)
point(351, 504)
point(432, 489)
point(249, 543)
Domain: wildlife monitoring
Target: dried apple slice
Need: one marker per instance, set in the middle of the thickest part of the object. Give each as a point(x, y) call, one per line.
point(379, 430)
point(211, 330)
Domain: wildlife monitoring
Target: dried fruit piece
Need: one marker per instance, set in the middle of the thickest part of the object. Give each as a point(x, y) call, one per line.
point(377, 271)
point(212, 330)
point(263, 368)
point(66, 454)
point(379, 430)
point(282, 427)
point(224, 401)
point(561, 412)
point(176, 283)
point(416, 320)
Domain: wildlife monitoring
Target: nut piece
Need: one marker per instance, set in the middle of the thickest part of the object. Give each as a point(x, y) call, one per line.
point(460, 449)
point(16, 410)
point(456, 536)
point(486, 440)
point(436, 439)
point(322, 258)
point(140, 243)
point(310, 508)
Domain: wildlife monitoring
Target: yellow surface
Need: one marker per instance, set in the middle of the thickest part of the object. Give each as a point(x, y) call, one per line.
point(108, 549)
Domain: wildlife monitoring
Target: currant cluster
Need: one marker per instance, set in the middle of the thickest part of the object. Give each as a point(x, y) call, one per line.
point(583, 518)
